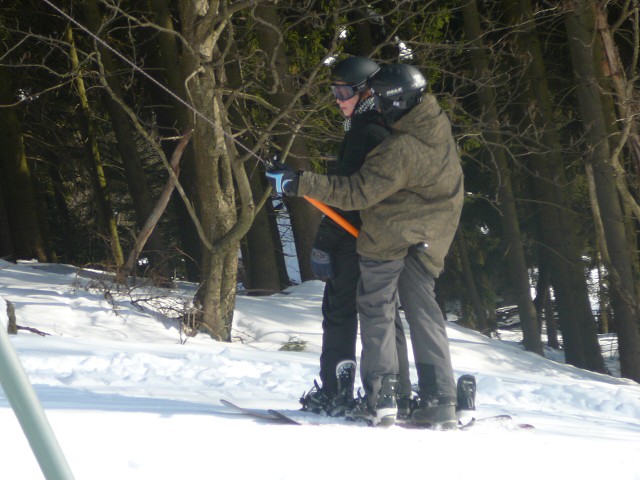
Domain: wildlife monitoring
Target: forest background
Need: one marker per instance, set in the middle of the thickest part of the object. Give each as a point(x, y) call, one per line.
point(133, 136)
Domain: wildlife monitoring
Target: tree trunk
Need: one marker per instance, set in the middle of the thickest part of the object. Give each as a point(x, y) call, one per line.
point(622, 125)
point(603, 307)
point(264, 262)
point(362, 26)
point(550, 320)
point(304, 217)
point(470, 282)
point(513, 237)
point(17, 184)
point(262, 255)
point(134, 173)
point(154, 217)
point(580, 25)
point(93, 161)
point(6, 244)
point(63, 221)
point(12, 326)
point(623, 89)
point(215, 191)
point(557, 224)
point(177, 120)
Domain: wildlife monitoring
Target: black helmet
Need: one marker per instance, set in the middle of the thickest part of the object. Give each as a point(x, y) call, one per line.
point(399, 88)
point(354, 72)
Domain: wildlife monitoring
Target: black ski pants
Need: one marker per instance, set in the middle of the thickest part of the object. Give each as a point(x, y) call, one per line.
point(340, 320)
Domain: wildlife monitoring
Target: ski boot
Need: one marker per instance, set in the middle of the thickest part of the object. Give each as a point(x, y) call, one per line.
point(316, 400)
point(323, 402)
point(466, 399)
point(404, 407)
point(466, 393)
point(436, 413)
point(386, 409)
point(407, 403)
point(346, 377)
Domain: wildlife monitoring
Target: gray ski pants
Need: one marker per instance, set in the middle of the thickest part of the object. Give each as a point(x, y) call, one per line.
point(381, 281)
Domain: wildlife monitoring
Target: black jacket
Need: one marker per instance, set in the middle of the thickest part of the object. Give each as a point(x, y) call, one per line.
point(367, 131)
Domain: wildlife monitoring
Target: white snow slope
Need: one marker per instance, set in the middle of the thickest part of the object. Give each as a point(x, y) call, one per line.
point(128, 398)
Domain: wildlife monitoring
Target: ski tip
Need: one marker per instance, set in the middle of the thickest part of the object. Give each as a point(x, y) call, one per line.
point(284, 418)
point(525, 426)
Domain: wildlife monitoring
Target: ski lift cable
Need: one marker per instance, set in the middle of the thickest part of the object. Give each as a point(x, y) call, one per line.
point(153, 80)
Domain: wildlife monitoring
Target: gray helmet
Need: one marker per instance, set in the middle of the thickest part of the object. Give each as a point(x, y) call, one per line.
point(354, 72)
point(398, 88)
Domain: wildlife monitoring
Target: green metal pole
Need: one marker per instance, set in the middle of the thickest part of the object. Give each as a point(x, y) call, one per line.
point(27, 408)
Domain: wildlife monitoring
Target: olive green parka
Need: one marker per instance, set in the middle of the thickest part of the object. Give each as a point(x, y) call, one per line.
point(409, 189)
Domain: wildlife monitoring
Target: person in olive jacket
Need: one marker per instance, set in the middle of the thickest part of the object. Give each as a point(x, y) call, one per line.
point(334, 258)
point(409, 192)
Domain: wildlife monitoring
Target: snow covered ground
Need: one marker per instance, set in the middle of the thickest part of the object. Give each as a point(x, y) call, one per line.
point(129, 397)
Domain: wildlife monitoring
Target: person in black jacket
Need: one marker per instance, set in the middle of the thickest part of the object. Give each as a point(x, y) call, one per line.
point(334, 258)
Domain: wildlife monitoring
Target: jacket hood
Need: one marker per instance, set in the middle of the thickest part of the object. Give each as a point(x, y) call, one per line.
point(423, 121)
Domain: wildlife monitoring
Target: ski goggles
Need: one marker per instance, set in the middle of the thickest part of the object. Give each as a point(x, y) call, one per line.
point(345, 92)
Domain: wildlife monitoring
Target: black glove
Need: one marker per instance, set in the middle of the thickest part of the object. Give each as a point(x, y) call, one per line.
point(321, 264)
point(283, 179)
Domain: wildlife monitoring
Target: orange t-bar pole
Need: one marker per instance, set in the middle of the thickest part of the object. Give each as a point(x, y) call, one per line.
point(331, 213)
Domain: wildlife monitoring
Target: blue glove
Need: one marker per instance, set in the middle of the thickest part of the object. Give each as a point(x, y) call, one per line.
point(283, 179)
point(321, 264)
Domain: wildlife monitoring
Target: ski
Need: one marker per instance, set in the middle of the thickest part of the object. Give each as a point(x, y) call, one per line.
point(502, 421)
point(288, 417)
point(253, 412)
point(305, 418)
point(285, 418)
point(300, 417)
point(499, 419)
point(505, 421)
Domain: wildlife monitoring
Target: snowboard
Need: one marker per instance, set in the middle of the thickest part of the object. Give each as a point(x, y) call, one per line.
point(298, 417)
